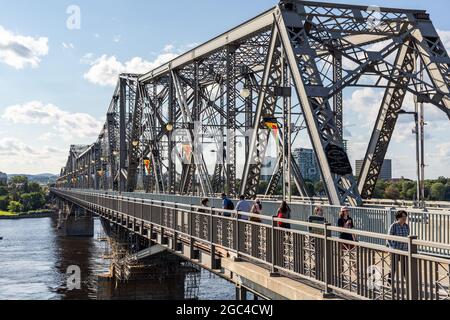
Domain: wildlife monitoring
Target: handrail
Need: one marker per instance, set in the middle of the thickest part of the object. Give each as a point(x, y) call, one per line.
point(283, 248)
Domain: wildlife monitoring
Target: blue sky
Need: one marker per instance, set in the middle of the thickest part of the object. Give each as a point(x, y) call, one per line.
point(58, 94)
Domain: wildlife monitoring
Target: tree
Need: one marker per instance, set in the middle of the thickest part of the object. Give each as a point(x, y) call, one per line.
point(378, 192)
point(408, 190)
point(4, 201)
point(310, 188)
point(34, 187)
point(15, 206)
point(32, 201)
point(392, 192)
point(3, 191)
point(319, 188)
point(437, 191)
point(17, 186)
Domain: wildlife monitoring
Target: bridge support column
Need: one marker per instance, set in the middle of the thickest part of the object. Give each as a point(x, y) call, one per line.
point(241, 293)
point(78, 223)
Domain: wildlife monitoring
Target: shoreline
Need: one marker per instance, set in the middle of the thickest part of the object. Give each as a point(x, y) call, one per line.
point(29, 216)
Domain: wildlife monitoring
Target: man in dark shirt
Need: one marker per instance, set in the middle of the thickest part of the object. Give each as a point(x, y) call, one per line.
point(317, 218)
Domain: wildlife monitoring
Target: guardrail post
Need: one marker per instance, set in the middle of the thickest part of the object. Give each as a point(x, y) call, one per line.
point(274, 271)
point(192, 252)
point(413, 275)
point(328, 258)
point(174, 225)
point(214, 261)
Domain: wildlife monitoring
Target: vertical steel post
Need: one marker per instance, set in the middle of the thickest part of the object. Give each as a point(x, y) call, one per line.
point(122, 133)
point(413, 276)
point(172, 165)
point(231, 121)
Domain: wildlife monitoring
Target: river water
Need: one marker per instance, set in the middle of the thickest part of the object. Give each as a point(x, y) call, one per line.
point(34, 260)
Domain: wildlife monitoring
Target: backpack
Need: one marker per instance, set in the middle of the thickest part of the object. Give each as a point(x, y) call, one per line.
point(229, 204)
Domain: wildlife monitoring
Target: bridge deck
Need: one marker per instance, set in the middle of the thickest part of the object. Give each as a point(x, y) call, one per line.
point(211, 237)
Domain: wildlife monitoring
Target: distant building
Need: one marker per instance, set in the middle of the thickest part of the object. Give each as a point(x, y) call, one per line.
point(3, 179)
point(307, 162)
point(386, 169)
point(268, 167)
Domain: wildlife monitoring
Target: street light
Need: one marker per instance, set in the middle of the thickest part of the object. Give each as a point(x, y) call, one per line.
point(419, 154)
point(245, 93)
point(169, 127)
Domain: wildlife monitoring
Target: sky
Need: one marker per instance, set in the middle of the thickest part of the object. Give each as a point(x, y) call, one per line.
point(57, 77)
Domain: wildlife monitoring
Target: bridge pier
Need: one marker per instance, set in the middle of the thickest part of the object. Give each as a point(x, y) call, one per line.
point(75, 221)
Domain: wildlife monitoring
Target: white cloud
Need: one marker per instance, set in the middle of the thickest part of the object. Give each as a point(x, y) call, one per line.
point(18, 157)
point(117, 38)
point(445, 38)
point(46, 136)
point(443, 150)
point(68, 125)
point(104, 71)
point(20, 51)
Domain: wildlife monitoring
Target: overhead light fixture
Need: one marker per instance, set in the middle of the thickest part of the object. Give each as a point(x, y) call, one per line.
point(135, 143)
point(245, 93)
point(169, 127)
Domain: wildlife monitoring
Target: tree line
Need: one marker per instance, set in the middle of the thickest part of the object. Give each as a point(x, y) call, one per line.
point(20, 196)
point(402, 189)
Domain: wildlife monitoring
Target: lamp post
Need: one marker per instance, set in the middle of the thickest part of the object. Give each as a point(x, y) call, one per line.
point(419, 155)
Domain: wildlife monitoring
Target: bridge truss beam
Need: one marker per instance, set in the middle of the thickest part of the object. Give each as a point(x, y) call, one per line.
point(288, 66)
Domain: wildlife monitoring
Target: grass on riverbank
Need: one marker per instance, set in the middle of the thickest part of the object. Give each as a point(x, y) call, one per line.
point(7, 214)
point(30, 213)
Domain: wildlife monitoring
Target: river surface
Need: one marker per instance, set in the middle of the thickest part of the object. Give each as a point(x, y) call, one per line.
point(34, 260)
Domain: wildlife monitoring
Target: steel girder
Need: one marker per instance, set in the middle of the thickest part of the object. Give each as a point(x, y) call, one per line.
point(328, 145)
point(266, 107)
point(326, 48)
point(385, 124)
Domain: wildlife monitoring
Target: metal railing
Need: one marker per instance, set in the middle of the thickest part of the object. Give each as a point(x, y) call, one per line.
point(433, 226)
point(309, 251)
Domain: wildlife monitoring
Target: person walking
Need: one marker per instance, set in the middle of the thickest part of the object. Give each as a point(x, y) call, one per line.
point(317, 218)
point(243, 206)
point(345, 221)
point(205, 204)
point(256, 209)
point(399, 228)
point(284, 212)
point(227, 204)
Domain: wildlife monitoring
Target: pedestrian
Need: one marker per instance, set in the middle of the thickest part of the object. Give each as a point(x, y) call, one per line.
point(345, 221)
point(399, 228)
point(243, 206)
point(227, 204)
point(317, 218)
point(256, 209)
point(205, 204)
point(284, 212)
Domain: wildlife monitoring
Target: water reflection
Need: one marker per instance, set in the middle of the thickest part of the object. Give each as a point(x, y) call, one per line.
point(34, 259)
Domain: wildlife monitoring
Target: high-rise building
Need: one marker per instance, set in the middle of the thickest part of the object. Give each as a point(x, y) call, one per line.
point(3, 179)
point(386, 169)
point(307, 162)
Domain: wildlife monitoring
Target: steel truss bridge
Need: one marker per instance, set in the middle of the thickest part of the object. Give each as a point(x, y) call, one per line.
point(268, 82)
point(290, 65)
